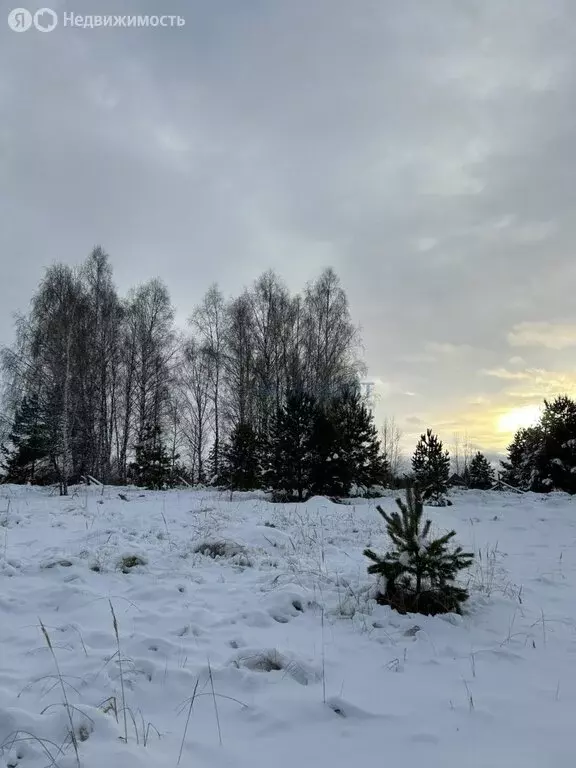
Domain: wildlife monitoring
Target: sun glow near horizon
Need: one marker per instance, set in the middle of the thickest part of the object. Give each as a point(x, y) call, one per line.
point(519, 418)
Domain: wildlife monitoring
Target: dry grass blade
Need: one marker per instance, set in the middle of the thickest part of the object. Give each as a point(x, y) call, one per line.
point(20, 737)
point(74, 708)
point(323, 659)
point(66, 703)
point(30, 685)
point(146, 728)
point(211, 678)
point(188, 716)
point(117, 635)
point(223, 696)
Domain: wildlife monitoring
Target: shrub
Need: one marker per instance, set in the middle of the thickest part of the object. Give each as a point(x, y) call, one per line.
point(127, 562)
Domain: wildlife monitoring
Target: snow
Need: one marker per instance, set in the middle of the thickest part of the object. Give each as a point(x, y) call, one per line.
point(404, 559)
point(266, 611)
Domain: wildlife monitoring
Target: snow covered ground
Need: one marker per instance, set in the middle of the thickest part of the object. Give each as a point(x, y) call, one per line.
point(274, 641)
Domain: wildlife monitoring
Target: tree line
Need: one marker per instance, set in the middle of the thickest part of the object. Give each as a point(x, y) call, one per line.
point(106, 386)
point(541, 458)
point(261, 390)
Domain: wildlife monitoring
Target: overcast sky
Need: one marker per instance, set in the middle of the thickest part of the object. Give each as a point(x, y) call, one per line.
point(423, 148)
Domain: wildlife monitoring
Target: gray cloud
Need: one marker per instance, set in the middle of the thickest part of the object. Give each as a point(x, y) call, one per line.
point(423, 149)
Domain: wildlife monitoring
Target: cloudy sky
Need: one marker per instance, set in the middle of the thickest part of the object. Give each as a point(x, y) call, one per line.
point(425, 149)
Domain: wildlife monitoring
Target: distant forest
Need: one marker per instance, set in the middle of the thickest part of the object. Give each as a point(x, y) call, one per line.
point(106, 386)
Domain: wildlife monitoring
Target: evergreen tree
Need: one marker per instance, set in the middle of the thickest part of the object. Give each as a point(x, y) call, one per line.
point(26, 455)
point(542, 458)
point(558, 423)
point(214, 465)
point(294, 446)
point(418, 574)
point(152, 467)
point(480, 473)
point(431, 468)
point(240, 463)
point(360, 453)
point(330, 474)
point(345, 450)
point(525, 467)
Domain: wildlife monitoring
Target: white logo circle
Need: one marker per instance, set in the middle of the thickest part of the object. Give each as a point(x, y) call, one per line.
point(45, 20)
point(19, 20)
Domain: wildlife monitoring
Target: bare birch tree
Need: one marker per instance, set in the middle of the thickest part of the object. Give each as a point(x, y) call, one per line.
point(330, 340)
point(391, 436)
point(456, 453)
point(240, 362)
point(209, 322)
point(196, 374)
point(56, 311)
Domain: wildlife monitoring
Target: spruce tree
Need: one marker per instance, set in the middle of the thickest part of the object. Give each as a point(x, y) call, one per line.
point(418, 574)
point(214, 469)
point(346, 448)
point(480, 474)
point(240, 462)
point(558, 423)
point(366, 466)
point(25, 457)
point(526, 465)
point(292, 446)
point(431, 468)
point(330, 474)
point(542, 458)
point(152, 465)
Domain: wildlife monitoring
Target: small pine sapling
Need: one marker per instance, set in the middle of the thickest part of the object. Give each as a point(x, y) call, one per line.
point(418, 574)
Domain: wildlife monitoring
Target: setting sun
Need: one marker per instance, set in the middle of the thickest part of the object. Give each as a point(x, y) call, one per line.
point(519, 418)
